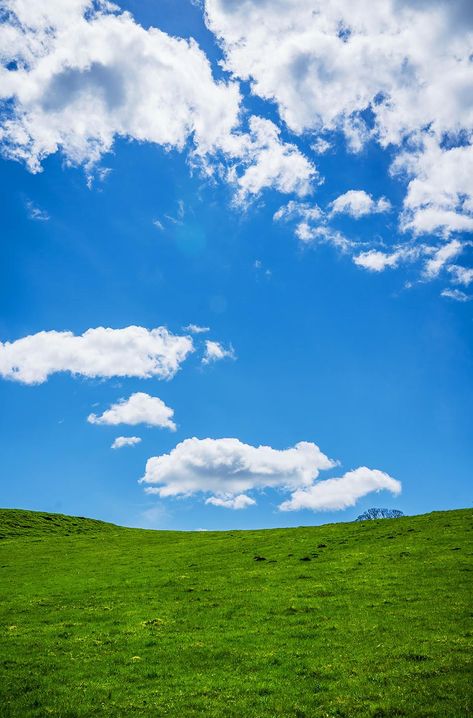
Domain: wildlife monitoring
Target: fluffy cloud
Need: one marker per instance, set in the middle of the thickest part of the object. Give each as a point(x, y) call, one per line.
point(377, 261)
point(122, 441)
point(227, 469)
point(340, 493)
point(440, 191)
point(228, 466)
point(358, 203)
point(79, 83)
point(99, 74)
point(231, 502)
point(139, 408)
point(214, 351)
point(441, 257)
point(267, 161)
point(405, 64)
point(101, 352)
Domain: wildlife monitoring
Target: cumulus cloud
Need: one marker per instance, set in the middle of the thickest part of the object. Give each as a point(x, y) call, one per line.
point(228, 501)
point(75, 75)
point(228, 466)
point(122, 441)
point(214, 351)
point(98, 75)
point(439, 196)
point(340, 493)
point(79, 83)
point(326, 65)
point(377, 261)
point(227, 469)
point(139, 408)
point(100, 352)
point(267, 161)
point(358, 203)
point(441, 257)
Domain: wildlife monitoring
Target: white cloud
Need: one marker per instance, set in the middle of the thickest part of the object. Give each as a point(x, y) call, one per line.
point(298, 211)
point(139, 408)
point(122, 441)
point(267, 161)
point(408, 63)
point(311, 225)
point(456, 294)
point(320, 146)
point(377, 261)
point(340, 493)
point(228, 501)
point(102, 75)
point(358, 203)
point(36, 213)
point(441, 256)
point(461, 275)
point(227, 469)
point(228, 466)
point(81, 84)
point(196, 329)
point(325, 235)
point(101, 352)
point(214, 351)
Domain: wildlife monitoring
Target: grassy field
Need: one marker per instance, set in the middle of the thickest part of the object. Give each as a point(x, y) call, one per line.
point(356, 619)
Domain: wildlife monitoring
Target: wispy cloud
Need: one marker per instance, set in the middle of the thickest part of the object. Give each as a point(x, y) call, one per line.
point(196, 329)
point(36, 213)
point(456, 294)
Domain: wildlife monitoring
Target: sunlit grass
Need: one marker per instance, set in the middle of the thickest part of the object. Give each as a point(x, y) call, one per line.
point(369, 619)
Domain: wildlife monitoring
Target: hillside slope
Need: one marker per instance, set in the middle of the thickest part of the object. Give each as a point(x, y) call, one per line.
point(23, 524)
point(361, 619)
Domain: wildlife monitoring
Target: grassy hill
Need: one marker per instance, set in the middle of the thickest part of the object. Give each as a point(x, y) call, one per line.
point(359, 619)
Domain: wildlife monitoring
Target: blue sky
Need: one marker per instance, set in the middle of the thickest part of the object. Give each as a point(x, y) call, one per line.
point(123, 222)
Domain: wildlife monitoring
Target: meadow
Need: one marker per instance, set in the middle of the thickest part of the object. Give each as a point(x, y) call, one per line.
point(350, 619)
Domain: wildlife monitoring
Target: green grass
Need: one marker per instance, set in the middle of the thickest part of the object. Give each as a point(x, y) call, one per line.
point(357, 619)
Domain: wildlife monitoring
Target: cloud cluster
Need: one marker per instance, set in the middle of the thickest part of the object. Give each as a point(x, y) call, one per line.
point(314, 225)
point(396, 72)
point(75, 75)
point(139, 408)
point(101, 352)
point(122, 441)
point(227, 469)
